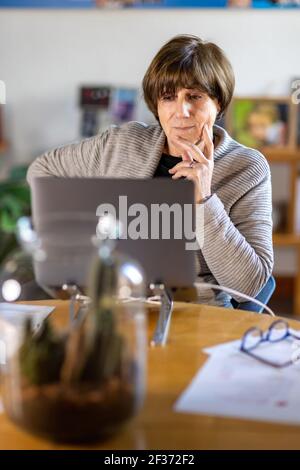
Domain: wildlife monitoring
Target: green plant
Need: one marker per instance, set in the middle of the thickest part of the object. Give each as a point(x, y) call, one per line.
point(91, 352)
point(14, 202)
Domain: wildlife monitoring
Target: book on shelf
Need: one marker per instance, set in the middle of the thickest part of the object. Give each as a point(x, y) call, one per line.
point(297, 207)
point(1, 128)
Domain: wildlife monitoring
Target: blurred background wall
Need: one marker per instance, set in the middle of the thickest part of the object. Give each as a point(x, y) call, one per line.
point(45, 55)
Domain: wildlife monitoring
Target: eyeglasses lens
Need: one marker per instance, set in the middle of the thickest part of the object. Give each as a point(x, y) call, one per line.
point(277, 331)
point(251, 339)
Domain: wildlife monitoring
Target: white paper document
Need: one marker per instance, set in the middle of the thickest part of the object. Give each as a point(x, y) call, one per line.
point(231, 383)
point(12, 318)
point(15, 313)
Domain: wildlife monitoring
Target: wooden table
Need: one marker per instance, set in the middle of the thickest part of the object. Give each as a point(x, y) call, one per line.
point(170, 370)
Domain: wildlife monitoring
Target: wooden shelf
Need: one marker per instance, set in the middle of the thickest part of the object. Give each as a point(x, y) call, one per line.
point(286, 239)
point(291, 157)
point(3, 146)
point(281, 155)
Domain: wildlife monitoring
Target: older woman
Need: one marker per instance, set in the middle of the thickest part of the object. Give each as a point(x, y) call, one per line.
point(187, 86)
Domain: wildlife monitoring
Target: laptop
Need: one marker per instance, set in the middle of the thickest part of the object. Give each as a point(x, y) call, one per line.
point(66, 212)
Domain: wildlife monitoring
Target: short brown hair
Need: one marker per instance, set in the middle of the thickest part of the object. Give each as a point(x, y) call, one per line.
point(187, 61)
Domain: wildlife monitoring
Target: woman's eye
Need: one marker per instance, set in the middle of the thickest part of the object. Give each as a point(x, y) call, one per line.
point(167, 97)
point(195, 97)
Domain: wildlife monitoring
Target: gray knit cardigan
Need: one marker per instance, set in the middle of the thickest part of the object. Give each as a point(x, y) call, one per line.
point(237, 250)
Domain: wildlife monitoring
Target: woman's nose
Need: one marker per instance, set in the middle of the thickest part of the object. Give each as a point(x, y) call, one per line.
point(183, 108)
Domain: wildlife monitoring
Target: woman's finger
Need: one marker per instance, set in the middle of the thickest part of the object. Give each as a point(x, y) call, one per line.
point(182, 164)
point(184, 172)
point(193, 151)
point(185, 154)
point(209, 145)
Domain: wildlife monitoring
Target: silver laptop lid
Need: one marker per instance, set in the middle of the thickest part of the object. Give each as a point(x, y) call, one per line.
point(68, 209)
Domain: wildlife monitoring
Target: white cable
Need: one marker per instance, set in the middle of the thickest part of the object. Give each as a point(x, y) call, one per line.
point(235, 292)
point(154, 300)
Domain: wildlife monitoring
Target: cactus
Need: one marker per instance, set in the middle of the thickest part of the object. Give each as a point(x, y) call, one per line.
point(41, 354)
point(92, 349)
point(100, 346)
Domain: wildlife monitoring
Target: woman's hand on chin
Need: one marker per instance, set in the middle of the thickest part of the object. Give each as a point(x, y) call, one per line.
point(197, 165)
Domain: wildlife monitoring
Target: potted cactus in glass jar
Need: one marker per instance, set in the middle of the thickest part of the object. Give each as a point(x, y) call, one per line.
point(81, 384)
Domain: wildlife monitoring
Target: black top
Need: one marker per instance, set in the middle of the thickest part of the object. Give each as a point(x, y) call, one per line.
point(165, 164)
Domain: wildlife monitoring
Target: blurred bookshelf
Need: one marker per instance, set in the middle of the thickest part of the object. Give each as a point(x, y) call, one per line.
point(281, 155)
point(289, 235)
point(3, 147)
point(286, 239)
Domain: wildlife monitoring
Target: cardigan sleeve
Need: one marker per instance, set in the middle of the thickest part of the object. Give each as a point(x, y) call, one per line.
point(237, 247)
point(74, 160)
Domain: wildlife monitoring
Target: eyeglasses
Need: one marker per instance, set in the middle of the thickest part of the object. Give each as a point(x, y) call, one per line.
point(277, 331)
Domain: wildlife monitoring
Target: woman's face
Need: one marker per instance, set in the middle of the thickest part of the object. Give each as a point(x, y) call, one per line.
point(185, 114)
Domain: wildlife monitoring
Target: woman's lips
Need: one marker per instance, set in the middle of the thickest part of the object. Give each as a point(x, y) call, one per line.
point(185, 128)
